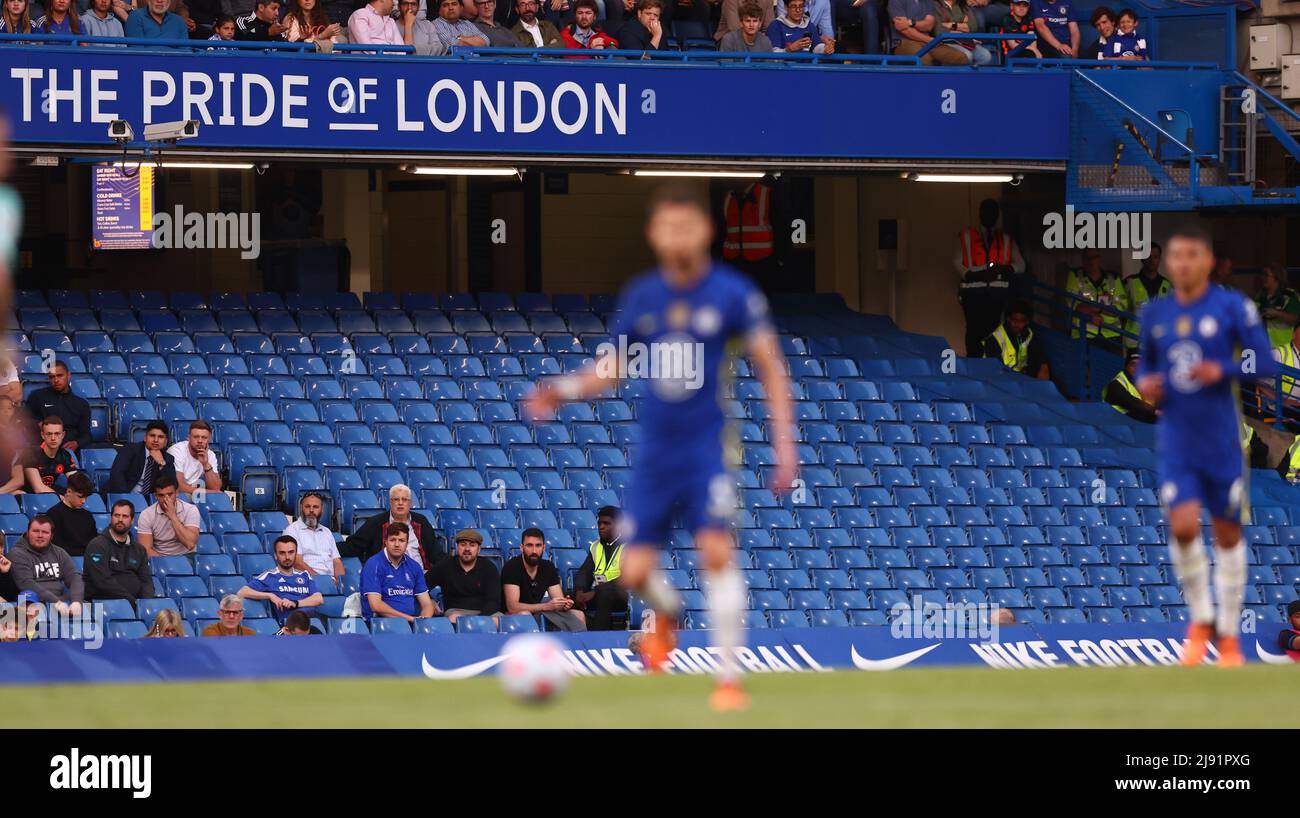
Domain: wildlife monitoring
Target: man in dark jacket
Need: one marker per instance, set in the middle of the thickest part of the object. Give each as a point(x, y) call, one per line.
point(533, 31)
point(59, 399)
point(425, 545)
point(46, 570)
point(138, 466)
point(73, 525)
point(117, 566)
point(645, 31)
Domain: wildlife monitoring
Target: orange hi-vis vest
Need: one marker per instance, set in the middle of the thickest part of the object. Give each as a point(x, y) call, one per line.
point(975, 255)
point(749, 223)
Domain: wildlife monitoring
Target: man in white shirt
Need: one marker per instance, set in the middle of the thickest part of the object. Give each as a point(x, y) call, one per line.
point(318, 554)
point(196, 464)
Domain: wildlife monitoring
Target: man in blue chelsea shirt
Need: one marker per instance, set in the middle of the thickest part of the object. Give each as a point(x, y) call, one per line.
point(285, 587)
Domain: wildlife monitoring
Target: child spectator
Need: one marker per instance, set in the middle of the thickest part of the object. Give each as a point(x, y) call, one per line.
point(101, 21)
point(1128, 44)
point(15, 17)
point(1018, 21)
point(748, 37)
point(223, 28)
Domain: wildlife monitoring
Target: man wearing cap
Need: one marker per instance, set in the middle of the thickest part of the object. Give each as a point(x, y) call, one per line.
point(470, 586)
point(1019, 21)
point(595, 586)
point(1122, 394)
point(318, 554)
point(1289, 639)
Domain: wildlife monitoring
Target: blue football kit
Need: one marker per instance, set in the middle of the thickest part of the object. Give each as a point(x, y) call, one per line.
point(397, 586)
point(295, 585)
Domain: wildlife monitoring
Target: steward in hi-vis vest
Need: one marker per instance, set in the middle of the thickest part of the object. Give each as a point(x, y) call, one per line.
point(988, 261)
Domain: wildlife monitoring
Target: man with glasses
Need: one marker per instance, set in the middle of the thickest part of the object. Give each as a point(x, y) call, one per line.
point(451, 31)
point(498, 35)
point(532, 32)
point(369, 539)
point(318, 553)
point(230, 621)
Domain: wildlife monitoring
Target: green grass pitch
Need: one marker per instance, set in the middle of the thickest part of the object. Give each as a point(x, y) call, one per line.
point(1254, 696)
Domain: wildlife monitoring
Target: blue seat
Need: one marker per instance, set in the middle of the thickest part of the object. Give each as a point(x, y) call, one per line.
point(476, 624)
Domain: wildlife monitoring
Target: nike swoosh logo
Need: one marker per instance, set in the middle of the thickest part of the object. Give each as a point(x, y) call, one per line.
point(466, 672)
point(892, 663)
point(1271, 658)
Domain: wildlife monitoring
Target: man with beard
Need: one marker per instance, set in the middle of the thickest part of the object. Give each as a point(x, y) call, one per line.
point(318, 554)
point(585, 32)
point(117, 566)
point(287, 588)
point(470, 586)
point(532, 32)
point(41, 567)
point(527, 579)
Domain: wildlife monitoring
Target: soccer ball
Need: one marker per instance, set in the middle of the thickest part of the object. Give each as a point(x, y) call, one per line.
point(534, 669)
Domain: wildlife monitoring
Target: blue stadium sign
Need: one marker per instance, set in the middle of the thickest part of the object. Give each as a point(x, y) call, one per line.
point(62, 95)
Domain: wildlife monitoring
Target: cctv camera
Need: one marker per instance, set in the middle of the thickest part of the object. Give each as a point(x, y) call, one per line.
point(119, 130)
point(172, 131)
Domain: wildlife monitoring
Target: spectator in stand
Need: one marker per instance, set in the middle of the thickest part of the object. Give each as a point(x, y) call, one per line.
point(1278, 304)
point(48, 465)
point(297, 623)
point(731, 19)
point(645, 32)
point(372, 24)
point(449, 30)
point(30, 611)
point(749, 37)
point(318, 554)
point(1143, 286)
point(13, 430)
point(308, 23)
point(204, 14)
point(558, 13)
point(595, 586)
point(59, 399)
point(533, 32)
point(74, 527)
point(60, 17)
point(914, 23)
point(1095, 286)
point(955, 16)
point(8, 588)
point(230, 619)
point(15, 17)
point(584, 32)
point(527, 579)
point(393, 584)
point(166, 625)
point(867, 13)
point(100, 21)
point(181, 10)
point(988, 14)
point(169, 527)
point(618, 12)
point(194, 461)
point(223, 28)
point(814, 18)
point(1288, 639)
point(1058, 35)
point(1103, 21)
point(136, 468)
point(470, 586)
point(263, 24)
point(1014, 344)
point(116, 564)
point(498, 35)
point(156, 22)
point(371, 536)
point(1123, 396)
point(44, 569)
point(287, 587)
point(1128, 44)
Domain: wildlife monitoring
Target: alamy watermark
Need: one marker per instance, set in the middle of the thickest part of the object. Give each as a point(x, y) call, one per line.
point(35, 620)
point(181, 230)
point(922, 619)
point(1098, 231)
point(674, 366)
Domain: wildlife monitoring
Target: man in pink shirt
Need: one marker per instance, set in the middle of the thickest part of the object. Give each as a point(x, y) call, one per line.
point(374, 23)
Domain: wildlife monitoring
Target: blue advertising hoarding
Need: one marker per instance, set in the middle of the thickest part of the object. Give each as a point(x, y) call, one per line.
point(459, 656)
point(62, 95)
point(122, 207)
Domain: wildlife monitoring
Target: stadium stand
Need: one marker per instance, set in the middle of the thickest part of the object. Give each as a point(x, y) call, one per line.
point(970, 486)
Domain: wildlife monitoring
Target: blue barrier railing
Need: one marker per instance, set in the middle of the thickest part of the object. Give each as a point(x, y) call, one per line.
point(1078, 324)
point(215, 46)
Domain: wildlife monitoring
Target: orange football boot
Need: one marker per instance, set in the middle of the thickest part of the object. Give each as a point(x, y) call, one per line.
point(1229, 651)
point(728, 697)
point(1198, 643)
point(658, 644)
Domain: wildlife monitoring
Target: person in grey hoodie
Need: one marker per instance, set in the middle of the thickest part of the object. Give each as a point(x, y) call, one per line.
point(46, 570)
point(117, 566)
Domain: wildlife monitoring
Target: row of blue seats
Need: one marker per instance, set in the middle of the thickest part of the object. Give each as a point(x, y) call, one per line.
point(188, 300)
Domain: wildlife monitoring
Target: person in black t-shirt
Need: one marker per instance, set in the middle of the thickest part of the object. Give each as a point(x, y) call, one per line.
point(74, 527)
point(470, 586)
point(263, 24)
point(48, 465)
point(526, 579)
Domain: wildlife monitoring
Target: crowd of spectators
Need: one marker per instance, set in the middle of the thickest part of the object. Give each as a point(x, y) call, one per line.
point(433, 27)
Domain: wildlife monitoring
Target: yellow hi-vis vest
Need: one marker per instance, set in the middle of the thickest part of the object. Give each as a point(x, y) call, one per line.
point(1247, 435)
point(607, 566)
point(1014, 357)
point(1122, 379)
point(1293, 462)
point(1286, 355)
point(1109, 292)
point(1137, 295)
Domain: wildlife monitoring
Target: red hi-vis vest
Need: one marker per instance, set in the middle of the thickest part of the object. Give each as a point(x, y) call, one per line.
point(974, 255)
point(749, 223)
